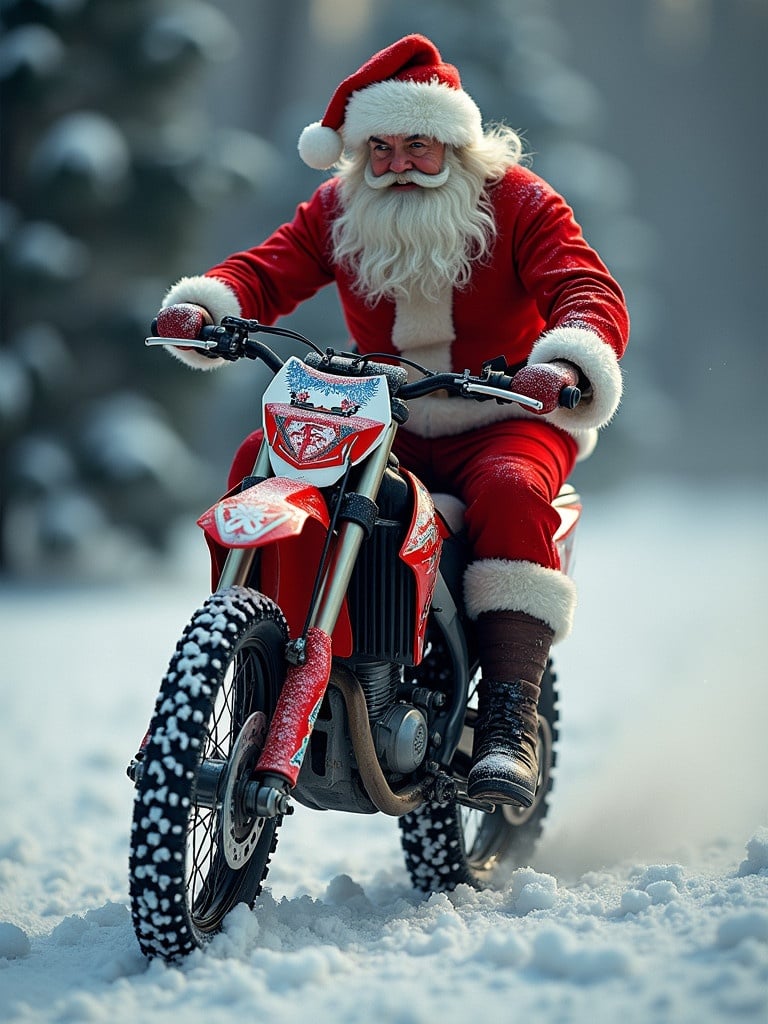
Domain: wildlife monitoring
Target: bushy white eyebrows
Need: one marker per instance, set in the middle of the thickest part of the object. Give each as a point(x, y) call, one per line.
point(409, 138)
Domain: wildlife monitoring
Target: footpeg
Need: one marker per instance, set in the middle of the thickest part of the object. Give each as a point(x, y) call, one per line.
point(476, 805)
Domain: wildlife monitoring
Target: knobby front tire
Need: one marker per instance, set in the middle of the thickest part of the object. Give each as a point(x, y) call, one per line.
point(448, 844)
point(195, 852)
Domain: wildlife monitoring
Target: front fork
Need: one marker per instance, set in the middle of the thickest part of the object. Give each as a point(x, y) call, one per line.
point(307, 679)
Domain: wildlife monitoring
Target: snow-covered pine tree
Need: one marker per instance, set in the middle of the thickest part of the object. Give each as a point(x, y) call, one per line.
point(108, 171)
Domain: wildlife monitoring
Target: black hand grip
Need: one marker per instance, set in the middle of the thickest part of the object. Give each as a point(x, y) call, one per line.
point(569, 397)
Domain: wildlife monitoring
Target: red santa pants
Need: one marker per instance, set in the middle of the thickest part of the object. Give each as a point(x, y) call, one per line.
point(506, 474)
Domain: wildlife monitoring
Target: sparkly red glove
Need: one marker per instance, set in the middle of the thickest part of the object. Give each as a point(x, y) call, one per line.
point(184, 320)
point(545, 382)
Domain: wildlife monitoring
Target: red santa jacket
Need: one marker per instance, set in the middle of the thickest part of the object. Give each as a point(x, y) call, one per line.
point(545, 294)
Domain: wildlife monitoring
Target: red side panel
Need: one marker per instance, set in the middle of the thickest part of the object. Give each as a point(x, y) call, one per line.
point(421, 552)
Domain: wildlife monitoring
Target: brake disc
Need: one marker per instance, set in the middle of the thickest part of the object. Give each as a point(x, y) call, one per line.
point(241, 831)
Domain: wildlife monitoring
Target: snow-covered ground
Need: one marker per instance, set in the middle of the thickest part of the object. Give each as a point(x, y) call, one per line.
point(648, 898)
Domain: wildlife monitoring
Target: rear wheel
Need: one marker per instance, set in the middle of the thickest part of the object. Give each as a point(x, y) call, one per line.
point(449, 844)
point(196, 852)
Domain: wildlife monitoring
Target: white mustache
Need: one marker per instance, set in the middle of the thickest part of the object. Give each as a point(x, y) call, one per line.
point(389, 178)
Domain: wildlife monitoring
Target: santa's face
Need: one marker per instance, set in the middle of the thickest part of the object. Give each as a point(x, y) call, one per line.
point(400, 241)
point(406, 162)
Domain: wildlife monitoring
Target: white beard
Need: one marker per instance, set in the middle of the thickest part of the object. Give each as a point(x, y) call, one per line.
point(405, 245)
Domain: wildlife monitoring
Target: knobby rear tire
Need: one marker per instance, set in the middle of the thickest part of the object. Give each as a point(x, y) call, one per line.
point(228, 665)
point(448, 844)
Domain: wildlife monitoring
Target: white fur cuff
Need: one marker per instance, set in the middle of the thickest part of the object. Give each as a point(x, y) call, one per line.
point(213, 295)
point(209, 292)
point(499, 584)
point(597, 361)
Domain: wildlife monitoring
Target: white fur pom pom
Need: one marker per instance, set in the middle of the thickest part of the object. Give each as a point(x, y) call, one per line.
point(319, 146)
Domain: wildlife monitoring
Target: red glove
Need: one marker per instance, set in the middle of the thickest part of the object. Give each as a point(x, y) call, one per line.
point(545, 382)
point(184, 320)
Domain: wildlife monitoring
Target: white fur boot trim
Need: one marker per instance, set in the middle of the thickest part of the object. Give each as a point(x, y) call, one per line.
point(499, 584)
point(212, 294)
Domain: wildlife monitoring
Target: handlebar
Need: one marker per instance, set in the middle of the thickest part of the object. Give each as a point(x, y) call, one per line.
point(231, 340)
point(464, 385)
point(492, 384)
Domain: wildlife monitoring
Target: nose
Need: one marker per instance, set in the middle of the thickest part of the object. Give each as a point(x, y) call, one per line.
point(400, 162)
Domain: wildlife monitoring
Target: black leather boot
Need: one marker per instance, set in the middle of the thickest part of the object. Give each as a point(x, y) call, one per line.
point(514, 649)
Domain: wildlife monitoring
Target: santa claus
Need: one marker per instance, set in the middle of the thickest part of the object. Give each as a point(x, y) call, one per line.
point(445, 249)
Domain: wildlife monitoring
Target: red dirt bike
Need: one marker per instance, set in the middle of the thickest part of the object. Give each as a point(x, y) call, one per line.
point(333, 665)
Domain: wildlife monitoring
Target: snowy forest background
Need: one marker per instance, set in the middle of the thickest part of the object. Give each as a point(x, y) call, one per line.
point(145, 139)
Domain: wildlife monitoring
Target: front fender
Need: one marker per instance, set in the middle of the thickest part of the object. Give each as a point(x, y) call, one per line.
point(270, 511)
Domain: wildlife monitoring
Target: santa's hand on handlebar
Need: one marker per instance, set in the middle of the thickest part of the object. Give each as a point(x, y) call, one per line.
point(182, 320)
point(553, 384)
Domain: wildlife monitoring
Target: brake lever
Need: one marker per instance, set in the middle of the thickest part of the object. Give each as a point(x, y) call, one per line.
point(468, 387)
point(205, 345)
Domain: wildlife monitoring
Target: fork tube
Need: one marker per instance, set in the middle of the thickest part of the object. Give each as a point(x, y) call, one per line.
point(239, 561)
point(351, 537)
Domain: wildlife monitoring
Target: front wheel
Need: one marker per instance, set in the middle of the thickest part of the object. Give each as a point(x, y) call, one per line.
point(449, 844)
point(195, 850)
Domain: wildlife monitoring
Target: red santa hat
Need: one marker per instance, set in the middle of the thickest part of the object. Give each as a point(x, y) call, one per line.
point(405, 89)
